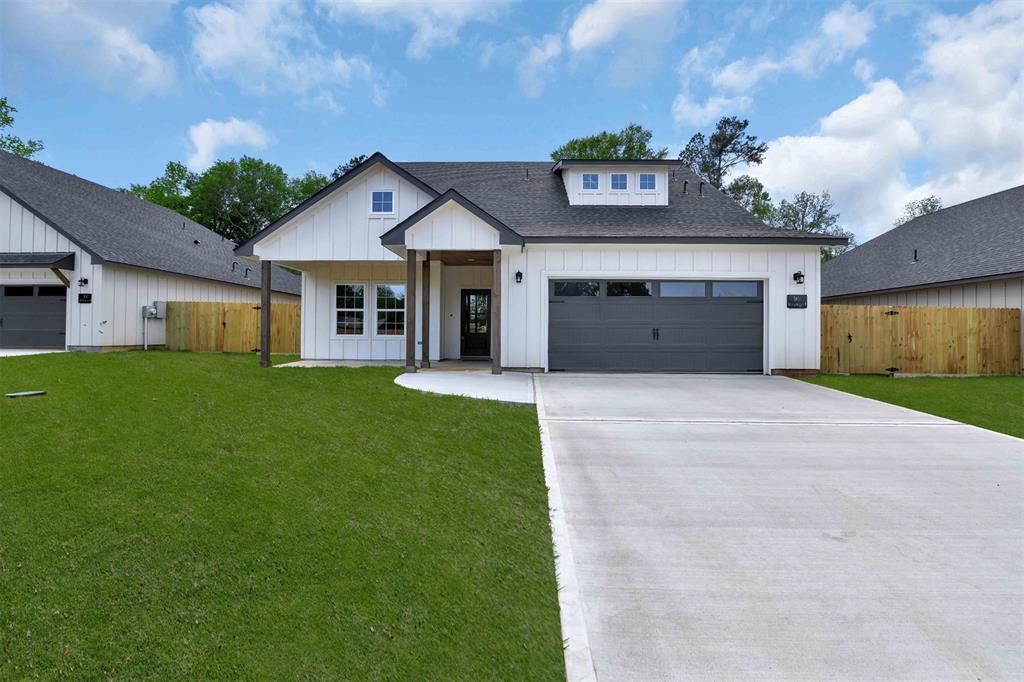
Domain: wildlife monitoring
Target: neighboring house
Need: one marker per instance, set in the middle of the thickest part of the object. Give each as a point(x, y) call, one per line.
point(78, 261)
point(576, 265)
point(966, 256)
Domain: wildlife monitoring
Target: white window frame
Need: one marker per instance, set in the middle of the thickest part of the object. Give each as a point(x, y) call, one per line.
point(405, 310)
point(583, 186)
point(611, 180)
point(389, 191)
point(639, 184)
point(335, 308)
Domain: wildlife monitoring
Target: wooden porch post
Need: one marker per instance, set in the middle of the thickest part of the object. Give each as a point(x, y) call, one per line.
point(410, 310)
point(496, 315)
point(425, 360)
point(267, 267)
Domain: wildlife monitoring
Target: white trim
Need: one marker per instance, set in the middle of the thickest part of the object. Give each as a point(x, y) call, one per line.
point(375, 310)
point(583, 187)
point(639, 186)
point(643, 275)
point(334, 308)
point(381, 213)
point(611, 183)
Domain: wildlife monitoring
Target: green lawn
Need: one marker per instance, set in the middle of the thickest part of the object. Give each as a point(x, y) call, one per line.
point(995, 403)
point(170, 515)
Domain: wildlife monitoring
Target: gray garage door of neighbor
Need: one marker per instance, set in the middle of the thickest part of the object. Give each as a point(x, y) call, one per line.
point(656, 326)
point(32, 316)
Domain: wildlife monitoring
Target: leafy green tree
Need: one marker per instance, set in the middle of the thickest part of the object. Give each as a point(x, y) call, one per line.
point(751, 195)
point(171, 189)
point(810, 212)
point(918, 208)
point(632, 142)
point(12, 143)
point(346, 167)
point(238, 198)
point(305, 186)
point(729, 146)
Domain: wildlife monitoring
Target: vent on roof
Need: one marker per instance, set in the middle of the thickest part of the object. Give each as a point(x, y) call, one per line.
point(685, 183)
point(701, 189)
point(915, 255)
point(196, 242)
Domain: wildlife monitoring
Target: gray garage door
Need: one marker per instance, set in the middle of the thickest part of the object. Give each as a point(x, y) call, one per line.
point(32, 316)
point(655, 326)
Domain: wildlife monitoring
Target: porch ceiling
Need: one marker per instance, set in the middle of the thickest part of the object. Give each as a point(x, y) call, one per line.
point(463, 257)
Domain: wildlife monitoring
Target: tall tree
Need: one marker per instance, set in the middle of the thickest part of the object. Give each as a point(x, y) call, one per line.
point(632, 142)
point(12, 143)
point(238, 198)
point(810, 212)
point(751, 195)
point(917, 208)
point(171, 189)
point(305, 186)
point(346, 167)
point(729, 146)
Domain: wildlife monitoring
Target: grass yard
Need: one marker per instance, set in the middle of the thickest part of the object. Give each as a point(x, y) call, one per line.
point(995, 403)
point(169, 515)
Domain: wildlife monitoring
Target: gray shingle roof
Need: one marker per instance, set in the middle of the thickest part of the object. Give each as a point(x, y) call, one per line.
point(119, 228)
point(978, 238)
point(530, 198)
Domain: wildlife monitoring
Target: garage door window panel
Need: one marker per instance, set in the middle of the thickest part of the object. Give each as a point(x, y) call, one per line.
point(577, 288)
point(735, 289)
point(683, 289)
point(618, 289)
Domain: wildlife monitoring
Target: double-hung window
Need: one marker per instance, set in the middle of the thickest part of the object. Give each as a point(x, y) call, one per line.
point(620, 182)
point(349, 307)
point(591, 182)
point(390, 309)
point(382, 202)
point(648, 182)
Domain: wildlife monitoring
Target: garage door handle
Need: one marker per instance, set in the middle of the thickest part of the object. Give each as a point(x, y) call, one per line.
point(655, 333)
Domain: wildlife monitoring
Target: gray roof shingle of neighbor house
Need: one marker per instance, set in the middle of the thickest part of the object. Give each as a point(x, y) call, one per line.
point(976, 239)
point(118, 228)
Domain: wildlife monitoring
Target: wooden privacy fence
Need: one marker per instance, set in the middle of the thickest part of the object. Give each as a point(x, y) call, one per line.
point(871, 339)
point(229, 327)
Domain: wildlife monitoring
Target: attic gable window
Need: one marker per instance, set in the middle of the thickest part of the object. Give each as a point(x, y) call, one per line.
point(382, 202)
point(590, 181)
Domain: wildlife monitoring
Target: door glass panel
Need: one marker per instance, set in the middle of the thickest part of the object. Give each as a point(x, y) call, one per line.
point(577, 288)
point(734, 289)
point(683, 289)
point(479, 315)
point(629, 288)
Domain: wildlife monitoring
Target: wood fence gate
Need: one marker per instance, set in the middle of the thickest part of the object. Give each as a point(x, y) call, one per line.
point(863, 339)
point(230, 327)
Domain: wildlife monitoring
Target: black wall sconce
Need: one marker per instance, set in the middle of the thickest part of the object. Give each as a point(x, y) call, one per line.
point(798, 277)
point(83, 282)
point(519, 276)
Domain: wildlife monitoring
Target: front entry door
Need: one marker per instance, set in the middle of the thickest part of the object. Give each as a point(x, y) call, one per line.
point(476, 324)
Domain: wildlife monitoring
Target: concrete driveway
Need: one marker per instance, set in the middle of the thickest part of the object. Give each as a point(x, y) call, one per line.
point(727, 527)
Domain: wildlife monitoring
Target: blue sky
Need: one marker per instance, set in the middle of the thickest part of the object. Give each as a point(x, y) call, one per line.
point(880, 103)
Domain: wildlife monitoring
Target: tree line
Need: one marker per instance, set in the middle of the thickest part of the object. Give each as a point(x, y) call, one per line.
point(238, 197)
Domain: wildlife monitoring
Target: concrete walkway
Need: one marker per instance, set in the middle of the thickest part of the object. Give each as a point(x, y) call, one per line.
point(764, 528)
point(509, 387)
point(20, 352)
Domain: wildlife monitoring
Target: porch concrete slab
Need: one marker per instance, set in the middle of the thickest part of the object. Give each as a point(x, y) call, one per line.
point(848, 539)
point(342, 363)
point(509, 387)
point(19, 352)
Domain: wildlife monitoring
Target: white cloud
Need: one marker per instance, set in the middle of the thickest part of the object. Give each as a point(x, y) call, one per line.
point(102, 40)
point(210, 137)
point(602, 21)
point(435, 23)
point(864, 69)
point(961, 114)
point(537, 63)
point(685, 111)
point(268, 46)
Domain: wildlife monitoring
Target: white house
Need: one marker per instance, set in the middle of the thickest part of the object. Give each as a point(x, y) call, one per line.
point(78, 261)
point(576, 265)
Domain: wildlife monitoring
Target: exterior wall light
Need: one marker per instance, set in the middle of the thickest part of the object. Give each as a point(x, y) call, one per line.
point(798, 277)
point(519, 276)
point(83, 282)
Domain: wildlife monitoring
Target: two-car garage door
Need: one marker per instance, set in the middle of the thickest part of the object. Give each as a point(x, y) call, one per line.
point(656, 326)
point(32, 316)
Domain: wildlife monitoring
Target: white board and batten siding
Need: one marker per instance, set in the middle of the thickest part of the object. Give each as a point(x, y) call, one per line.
point(114, 318)
point(341, 226)
point(452, 227)
point(604, 195)
point(792, 339)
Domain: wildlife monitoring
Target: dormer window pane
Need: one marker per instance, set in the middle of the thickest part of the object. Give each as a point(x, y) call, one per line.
point(590, 181)
point(619, 181)
point(647, 181)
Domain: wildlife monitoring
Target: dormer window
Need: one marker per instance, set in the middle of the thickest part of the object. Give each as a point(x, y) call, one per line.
point(591, 182)
point(382, 202)
point(620, 182)
point(648, 183)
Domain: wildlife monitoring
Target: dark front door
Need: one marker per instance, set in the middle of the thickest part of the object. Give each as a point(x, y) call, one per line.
point(32, 316)
point(476, 323)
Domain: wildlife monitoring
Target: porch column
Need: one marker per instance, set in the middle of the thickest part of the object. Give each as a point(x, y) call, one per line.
point(410, 310)
point(496, 315)
point(267, 267)
point(425, 360)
